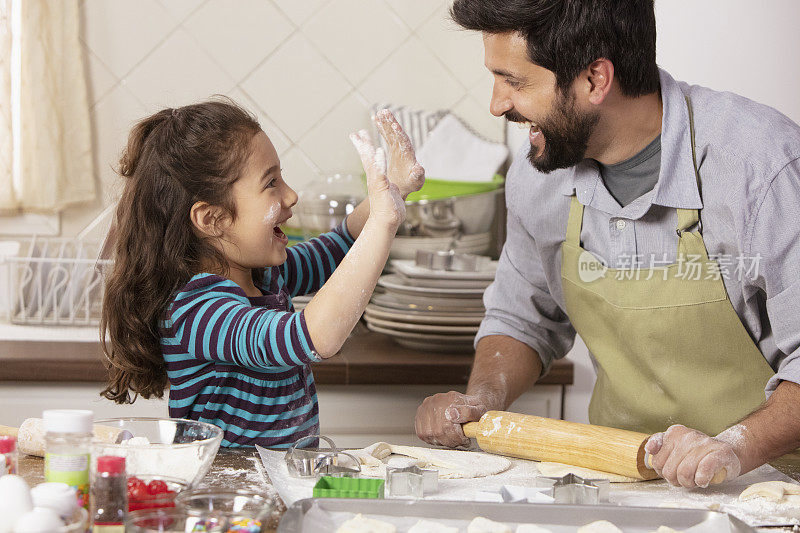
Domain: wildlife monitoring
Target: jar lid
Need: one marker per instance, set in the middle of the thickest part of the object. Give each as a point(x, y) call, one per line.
point(59, 497)
point(68, 421)
point(7, 444)
point(111, 464)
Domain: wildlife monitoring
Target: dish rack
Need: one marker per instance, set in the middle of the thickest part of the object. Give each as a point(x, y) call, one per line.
point(55, 281)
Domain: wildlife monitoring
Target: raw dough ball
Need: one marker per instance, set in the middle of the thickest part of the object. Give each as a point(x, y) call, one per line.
point(426, 526)
point(558, 470)
point(451, 464)
point(360, 524)
point(484, 525)
point(601, 526)
point(39, 520)
point(530, 528)
point(776, 491)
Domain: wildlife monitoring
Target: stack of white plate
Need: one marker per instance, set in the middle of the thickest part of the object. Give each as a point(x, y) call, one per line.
point(435, 310)
point(299, 302)
point(406, 247)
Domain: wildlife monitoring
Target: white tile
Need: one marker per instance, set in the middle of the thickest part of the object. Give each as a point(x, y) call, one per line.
point(414, 77)
point(328, 144)
point(415, 12)
point(355, 52)
point(300, 10)
point(123, 33)
point(112, 119)
point(297, 169)
point(177, 73)
point(479, 119)
point(278, 138)
point(460, 50)
point(180, 9)
point(239, 39)
point(296, 86)
point(99, 78)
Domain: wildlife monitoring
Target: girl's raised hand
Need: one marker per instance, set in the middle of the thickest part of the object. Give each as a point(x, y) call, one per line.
point(385, 200)
point(403, 169)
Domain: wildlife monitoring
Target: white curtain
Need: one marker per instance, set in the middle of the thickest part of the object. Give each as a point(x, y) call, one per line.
point(56, 165)
point(6, 143)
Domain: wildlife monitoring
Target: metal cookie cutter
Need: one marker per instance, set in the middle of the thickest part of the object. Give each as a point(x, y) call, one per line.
point(313, 462)
point(410, 482)
point(577, 490)
point(450, 260)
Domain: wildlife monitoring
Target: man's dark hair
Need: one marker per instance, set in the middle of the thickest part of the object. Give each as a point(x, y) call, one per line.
point(566, 36)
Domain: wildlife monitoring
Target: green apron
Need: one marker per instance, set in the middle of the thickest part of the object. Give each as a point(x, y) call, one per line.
point(668, 344)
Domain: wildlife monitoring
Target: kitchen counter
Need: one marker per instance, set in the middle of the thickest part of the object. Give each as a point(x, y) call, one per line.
point(366, 358)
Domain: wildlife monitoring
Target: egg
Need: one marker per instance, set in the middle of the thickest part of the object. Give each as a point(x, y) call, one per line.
point(59, 497)
point(38, 520)
point(15, 500)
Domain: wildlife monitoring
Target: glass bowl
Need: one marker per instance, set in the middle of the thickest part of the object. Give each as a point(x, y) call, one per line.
point(147, 500)
point(158, 520)
point(233, 510)
point(182, 448)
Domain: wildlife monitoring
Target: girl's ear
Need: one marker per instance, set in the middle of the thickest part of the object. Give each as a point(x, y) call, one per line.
point(208, 219)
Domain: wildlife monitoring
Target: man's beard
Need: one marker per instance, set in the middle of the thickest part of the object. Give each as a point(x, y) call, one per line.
point(566, 132)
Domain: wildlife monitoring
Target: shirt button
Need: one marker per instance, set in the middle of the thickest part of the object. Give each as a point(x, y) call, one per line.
point(620, 225)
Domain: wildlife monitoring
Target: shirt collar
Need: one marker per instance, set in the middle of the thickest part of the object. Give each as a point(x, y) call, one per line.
point(677, 184)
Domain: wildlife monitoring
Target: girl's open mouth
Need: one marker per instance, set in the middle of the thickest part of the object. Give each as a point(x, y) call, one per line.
point(280, 236)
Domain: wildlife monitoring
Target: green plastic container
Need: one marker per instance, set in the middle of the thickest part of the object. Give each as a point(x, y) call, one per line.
point(436, 189)
point(348, 487)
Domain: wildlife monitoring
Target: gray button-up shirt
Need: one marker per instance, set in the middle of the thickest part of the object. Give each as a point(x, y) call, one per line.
point(749, 160)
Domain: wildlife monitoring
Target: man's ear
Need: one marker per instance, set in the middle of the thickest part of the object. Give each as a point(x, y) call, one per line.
point(209, 220)
point(598, 77)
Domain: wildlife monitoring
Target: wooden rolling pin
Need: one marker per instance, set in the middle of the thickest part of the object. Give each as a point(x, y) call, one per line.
point(544, 439)
point(30, 435)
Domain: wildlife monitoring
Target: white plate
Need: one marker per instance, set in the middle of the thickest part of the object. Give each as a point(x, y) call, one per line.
point(463, 240)
point(393, 283)
point(410, 269)
point(427, 337)
point(433, 346)
point(422, 328)
point(433, 283)
point(473, 319)
point(445, 305)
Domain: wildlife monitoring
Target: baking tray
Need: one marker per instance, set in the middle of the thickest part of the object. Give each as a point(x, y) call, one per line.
point(559, 518)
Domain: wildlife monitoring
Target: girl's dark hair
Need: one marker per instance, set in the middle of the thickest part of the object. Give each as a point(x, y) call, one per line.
point(566, 36)
point(173, 159)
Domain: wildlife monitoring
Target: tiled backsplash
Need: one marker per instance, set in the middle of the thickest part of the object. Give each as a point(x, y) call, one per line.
point(310, 70)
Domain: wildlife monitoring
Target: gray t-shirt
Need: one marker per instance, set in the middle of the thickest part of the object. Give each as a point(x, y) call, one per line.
point(632, 178)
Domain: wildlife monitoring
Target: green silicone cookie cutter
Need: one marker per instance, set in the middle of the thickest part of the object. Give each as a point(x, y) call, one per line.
point(348, 487)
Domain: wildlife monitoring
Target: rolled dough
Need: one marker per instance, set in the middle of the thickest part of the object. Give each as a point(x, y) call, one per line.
point(451, 464)
point(484, 525)
point(776, 491)
point(361, 524)
point(559, 470)
point(601, 526)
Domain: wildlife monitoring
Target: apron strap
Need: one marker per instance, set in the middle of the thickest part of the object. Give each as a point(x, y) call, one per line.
point(575, 222)
point(690, 243)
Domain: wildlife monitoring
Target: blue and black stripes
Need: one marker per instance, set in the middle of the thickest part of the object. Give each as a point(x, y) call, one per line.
point(242, 363)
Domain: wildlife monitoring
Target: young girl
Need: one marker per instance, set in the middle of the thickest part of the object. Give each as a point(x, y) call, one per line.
point(201, 289)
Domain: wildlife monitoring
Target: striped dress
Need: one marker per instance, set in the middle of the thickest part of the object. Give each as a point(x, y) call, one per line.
point(242, 363)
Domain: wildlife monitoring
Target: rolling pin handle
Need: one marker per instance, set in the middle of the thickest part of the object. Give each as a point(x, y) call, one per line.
point(719, 477)
point(470, 429)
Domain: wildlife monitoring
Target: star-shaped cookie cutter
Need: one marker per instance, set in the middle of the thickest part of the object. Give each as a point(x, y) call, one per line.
point(410, 481)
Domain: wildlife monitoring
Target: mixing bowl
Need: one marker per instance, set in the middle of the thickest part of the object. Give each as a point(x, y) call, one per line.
point(182, 449)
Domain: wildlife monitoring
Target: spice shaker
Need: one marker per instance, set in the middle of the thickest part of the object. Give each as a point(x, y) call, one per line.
point(67, 440)
point(109, 495)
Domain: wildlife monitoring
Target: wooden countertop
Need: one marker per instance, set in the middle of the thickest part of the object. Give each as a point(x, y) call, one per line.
point(367, 358)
